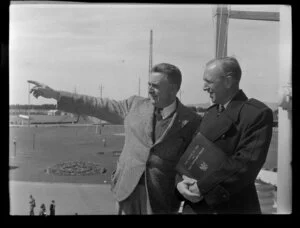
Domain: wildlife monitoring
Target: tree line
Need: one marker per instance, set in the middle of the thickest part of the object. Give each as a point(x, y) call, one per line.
point(33, 106)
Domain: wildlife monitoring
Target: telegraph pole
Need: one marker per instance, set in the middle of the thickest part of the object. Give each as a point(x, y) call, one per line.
point(150, 54)
point(100, 122)
point(101, 89)
point(28, 104)
point(139, 90)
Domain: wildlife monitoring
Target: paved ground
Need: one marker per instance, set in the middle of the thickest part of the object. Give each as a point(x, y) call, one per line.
point(92, 199)
point(84, 199)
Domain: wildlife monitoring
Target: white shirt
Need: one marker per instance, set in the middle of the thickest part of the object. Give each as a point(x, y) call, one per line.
point(226, 104)
point(167, 111)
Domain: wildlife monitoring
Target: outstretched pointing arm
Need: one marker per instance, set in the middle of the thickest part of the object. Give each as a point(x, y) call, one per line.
point(43, 90)
point(102, 108)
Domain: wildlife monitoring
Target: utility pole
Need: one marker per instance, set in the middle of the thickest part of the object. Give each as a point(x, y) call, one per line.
point(77, 115)
point(28, 104)
point(150, 54)
point(101, 89)
point(139, 90)
point(100, 122)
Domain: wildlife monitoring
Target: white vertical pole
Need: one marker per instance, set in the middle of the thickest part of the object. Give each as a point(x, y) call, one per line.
point(220, 15)
point(284, 175)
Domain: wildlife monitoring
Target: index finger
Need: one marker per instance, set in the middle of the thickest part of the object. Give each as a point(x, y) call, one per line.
point(34, 82)
point(188, 178)
point(189, 181)
point(191, 194)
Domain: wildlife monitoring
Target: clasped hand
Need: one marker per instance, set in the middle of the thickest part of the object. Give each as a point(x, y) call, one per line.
point(188, 188)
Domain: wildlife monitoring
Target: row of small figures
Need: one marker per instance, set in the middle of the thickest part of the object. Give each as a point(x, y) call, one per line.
point(42, 207)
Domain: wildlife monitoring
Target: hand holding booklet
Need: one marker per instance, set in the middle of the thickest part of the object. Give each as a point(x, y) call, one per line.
point(201, 158)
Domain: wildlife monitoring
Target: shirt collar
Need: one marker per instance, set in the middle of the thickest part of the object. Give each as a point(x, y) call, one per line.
point(167, 111)
point(226, 104)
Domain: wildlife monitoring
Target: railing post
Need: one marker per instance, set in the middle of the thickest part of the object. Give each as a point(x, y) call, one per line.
point(284, 175)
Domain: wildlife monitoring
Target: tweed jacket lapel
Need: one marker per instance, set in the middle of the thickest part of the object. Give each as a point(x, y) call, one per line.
point(141, 123)
point(149, 118)
point(179, 120)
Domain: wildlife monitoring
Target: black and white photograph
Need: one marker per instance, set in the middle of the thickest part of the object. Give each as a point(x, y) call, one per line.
point(145, 109)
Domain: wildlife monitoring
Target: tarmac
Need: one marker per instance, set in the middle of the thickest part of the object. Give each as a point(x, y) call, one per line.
point(94, 199)
point(83, 199)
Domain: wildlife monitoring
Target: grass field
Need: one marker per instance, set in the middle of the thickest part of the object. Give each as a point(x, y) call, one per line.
point(38, 148)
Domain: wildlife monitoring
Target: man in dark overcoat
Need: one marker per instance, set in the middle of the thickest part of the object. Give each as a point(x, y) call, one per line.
point(52, 208)
point(242, 128)
point(157, 131)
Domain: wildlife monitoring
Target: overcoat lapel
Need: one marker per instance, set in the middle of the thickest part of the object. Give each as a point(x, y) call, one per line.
point(214, 127)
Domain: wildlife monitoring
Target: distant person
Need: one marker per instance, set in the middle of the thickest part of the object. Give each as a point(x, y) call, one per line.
point(43, 210)
point(32, 205)
point(157, 131)
point(242, 128)
point(52, 208)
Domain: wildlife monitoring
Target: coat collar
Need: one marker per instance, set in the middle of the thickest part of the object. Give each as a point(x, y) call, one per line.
point(214, 127)
point(234, 107)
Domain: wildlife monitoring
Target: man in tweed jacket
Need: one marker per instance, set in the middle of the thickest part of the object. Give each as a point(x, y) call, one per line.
point(144, 180)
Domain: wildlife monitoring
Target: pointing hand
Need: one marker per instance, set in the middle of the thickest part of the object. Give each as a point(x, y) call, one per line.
point(43, 90)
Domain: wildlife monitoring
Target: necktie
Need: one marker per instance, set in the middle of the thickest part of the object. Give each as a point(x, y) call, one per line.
point(158, 114)
point(221, 108)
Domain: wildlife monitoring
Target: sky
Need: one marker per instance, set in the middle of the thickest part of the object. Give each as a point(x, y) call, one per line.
point(82, 46)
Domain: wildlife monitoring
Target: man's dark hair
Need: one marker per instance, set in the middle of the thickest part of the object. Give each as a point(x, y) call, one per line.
point(172, 72)
point(229, 65)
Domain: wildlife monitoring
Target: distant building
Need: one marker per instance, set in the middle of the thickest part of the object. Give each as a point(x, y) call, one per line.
point(54, 112)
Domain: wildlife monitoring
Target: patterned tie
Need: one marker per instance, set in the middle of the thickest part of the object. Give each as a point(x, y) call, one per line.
point(158, 114)
point(221, 108)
